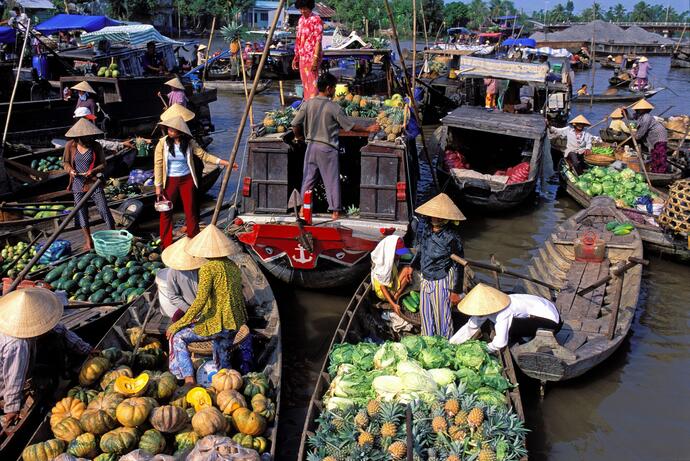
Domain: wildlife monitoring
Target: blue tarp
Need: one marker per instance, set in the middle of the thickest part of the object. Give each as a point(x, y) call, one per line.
point(7, 35)
point(75, 22)
point(528, 42)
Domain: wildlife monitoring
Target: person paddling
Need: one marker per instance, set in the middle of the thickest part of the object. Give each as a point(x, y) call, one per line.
point(650, 131)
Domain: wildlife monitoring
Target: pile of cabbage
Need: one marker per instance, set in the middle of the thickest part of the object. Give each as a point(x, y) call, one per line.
point(625, 187)
point(417, 367)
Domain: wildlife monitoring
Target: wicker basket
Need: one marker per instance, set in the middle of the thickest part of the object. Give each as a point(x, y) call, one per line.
point(599, 160)
point(676, 213)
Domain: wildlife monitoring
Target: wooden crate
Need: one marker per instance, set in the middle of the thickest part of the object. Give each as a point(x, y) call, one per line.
point(382, 168)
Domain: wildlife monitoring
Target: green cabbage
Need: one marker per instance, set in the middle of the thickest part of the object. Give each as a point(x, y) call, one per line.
point(387, 387)
point(497, 382)
point(432, 358)
point(415, 382)
point(408, 366)
point(469, 378)
point(596, 189)
point(338, 403)
point(470, 354)
point(414, 345)
point(628, 174)
point(389, 354)
point(491, 397)
point(442, 376)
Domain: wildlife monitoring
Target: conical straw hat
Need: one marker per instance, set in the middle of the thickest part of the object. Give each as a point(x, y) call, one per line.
point(644, 59)
point(83, 128)
point(642, 104)
point(580, 120)
point(29, 313)
point(175, 257)
point(211, 243)
point(483, 300)
point(617, 113)
point(84, 86)
point(175, 83)
point(178, 110)
point(201, 47)
point(441, 207)
point(178, 123)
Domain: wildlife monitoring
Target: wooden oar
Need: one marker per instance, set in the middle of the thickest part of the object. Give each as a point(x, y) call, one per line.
point(615, 272)
point(499, 268)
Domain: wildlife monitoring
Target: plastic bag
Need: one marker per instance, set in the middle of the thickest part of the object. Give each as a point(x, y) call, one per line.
point(141, 455)
point(58, 250)
point(139, 176)
point(219, 448)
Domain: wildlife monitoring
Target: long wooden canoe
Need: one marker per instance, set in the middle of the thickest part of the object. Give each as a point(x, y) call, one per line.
point(361, 320)
point(655, 239)
point(237, 86)
point(264, 323)
point(595, 323)
point(618, 97)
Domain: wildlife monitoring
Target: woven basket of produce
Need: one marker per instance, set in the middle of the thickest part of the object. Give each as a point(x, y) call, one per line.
point(599, 160)
point(676, 213)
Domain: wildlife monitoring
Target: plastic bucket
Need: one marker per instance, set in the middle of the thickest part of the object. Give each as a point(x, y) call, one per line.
point(112, 242)
point(299, 90)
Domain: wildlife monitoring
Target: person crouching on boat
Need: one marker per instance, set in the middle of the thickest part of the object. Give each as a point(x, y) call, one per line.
point(176, 174)
point(617, 124)
point(30, 330)
point(177, 93)
point(83, 160)
point(319, 120)
point(178, 283)
point(514, 316)
point(107, 144)
point(578, 141)
point(653, 133)
point(84, 99)
point(218, 312)
point(442, 278)
point(385, 281)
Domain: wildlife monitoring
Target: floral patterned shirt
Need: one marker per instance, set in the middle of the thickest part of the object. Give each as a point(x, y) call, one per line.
point(309, 34)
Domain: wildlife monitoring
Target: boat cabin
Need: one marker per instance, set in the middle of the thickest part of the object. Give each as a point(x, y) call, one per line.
point(365, 71)
point(493, 159)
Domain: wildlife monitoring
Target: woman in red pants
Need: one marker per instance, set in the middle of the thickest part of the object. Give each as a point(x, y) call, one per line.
point(176, 174)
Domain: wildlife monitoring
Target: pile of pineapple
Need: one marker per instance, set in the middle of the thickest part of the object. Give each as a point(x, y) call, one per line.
point(455, 427)
point(391, 121)
point(279, 120)
point(358, 106)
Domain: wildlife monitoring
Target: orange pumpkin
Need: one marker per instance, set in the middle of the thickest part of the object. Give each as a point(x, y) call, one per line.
point(226, 379)
point(133, 412)
point(68, 429)
point(112, 375)
point(230, 400)
point(69, 406)
point(92, 370)
point(249, 422)
point(209, 421)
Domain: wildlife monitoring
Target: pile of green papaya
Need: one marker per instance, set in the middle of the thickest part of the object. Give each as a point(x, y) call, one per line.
point(45, 211)
point(619, 228)
point(107, 279)
point(411, 301)
point(9, 267)
point(50, 163)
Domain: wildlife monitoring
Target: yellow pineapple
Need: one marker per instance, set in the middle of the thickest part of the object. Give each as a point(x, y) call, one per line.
point(456, 433)
point(269, 121)
point(461, 418)
point(329, 458)
point(356, 99)
point(475, 417)
point(365, 438)
point(486, 454)
point(390, 137)
point(281, 129)
point(349, 97)
point(452, 407)
point(389, 429)
point(439, 424)
point(338, 423)
point(373, 407)
point(397, 449)
point(361, 419)
point(363, 103)
point(453, 458)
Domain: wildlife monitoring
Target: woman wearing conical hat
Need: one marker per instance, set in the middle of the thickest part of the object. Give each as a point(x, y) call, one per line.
point(442, 277)
point(177, 93)
point(514, 316)
point(85, 95)
point(650, 131)
point(176, 174)
point(218, 312)
point(83, 159)
point(30, 334)
point(617, 123)
point(578, 141)
point(178, 283)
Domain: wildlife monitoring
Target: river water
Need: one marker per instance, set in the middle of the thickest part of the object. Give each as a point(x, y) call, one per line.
point(634, 406)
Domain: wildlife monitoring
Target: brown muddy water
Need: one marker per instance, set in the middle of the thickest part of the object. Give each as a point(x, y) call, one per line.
point(634, 406)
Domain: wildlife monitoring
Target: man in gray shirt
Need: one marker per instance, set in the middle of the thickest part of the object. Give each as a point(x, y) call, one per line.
point(319, 121)
point(179, 282)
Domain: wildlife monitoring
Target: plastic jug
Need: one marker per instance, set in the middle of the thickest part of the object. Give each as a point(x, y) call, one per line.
point(590, 248)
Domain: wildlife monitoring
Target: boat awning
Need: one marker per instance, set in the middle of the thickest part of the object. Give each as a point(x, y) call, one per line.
point(490, 35)
point(528, 42)
point(531, 126)
point(74, 22)
point(7, 35)
point(36, 4)
point(547, 51)
point(138, 34)
point(507, 70)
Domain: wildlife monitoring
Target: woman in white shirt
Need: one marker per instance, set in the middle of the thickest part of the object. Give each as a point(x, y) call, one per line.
point(514, 316)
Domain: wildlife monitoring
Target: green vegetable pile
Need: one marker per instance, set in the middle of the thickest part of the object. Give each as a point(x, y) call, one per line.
point(414, 368)
point(98, 279)
point(50, 163)
point(411, 301)
point(624, 187)
point(120, 191)
point(8, 255)
point(619, 228)
point(279, 121)
point(603, 150)
point(45, 211)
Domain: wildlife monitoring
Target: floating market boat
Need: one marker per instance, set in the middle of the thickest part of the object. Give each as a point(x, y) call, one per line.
point(655, 239)
point(681, 57)
point(361, 322)
point(144, 314)
point(617, 97)
point(237, 86)
point(492, 159)
point(595, 321)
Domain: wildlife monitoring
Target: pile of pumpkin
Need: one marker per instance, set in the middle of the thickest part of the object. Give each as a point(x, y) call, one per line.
point(118, 408)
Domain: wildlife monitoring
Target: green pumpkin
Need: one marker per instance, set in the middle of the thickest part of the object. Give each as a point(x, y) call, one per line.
point(106, 457)
point(113, 374)
point(152, 442)
point(186, 439)
point(97, 421)
point(112, 353)
point(119, 441)
point(67, 429)
point(84, 446)
point(43, 451)
point(106, 402)
point(255, 383)
point(162, 385)
point(83, 394)
point(247, 441)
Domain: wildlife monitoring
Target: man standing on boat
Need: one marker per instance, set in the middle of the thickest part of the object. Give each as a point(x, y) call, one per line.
point(514, 317)
point(442, 278)
point(579, 142)
point(650, 131)
point(319, 121)
point(29, 329)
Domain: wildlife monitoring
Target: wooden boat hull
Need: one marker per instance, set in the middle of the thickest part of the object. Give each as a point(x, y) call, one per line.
point(479, 194)
point(362, 319)
point(583, 342)
point(264, 321)
point(680, 63)
point(237, 86)
point(614, 97)
point(653, 237)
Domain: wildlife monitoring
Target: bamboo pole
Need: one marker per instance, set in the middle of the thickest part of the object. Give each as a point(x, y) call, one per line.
point(246, 92)
point(426, 35)
point(282, 93)
point(16, 83)
point(643, 167)
point(592, 59)
point(499, 268)
point(245, 115)
point(414, 42)
point(675, 50)
point(208, 49)
point(410, 91)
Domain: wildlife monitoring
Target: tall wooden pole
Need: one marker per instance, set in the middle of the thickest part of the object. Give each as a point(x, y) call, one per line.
point(245, 115)
point(414, 42)
point(410, 91)
point(208, 49)
point(593, 55)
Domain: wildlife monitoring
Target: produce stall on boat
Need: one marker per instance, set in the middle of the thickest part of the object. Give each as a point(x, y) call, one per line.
point(365, 71)
point(597, 313)
point(493, 159)
point(125, 396)
point(383, 395)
